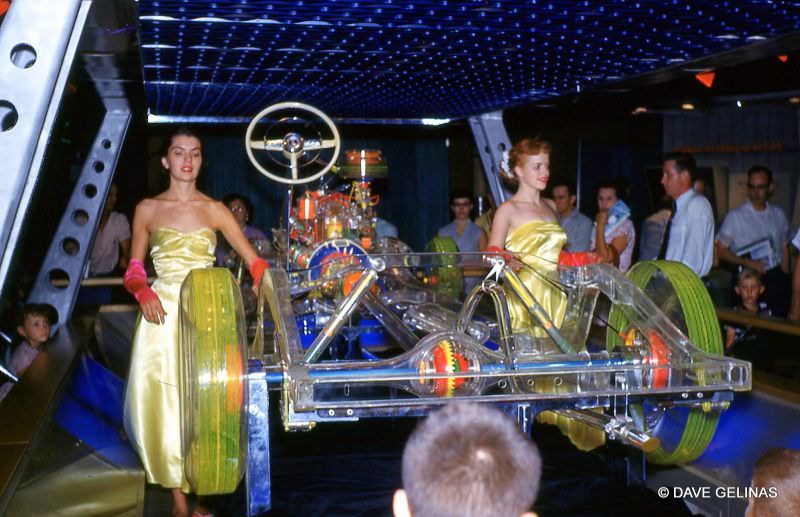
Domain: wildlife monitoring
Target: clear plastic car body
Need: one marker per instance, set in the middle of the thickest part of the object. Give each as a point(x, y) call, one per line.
point(446, 349)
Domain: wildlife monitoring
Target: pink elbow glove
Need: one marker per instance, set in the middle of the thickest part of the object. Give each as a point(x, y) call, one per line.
point(135, 281)
point(257, 269)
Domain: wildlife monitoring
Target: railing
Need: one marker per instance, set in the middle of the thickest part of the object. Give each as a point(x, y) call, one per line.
point(761, 322)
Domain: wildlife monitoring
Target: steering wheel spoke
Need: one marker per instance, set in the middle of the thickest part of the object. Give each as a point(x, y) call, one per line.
point(275, 144)
point(294, 168)
point(317, 144)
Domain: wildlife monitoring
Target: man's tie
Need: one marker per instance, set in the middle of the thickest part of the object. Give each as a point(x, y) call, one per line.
point(662, 254)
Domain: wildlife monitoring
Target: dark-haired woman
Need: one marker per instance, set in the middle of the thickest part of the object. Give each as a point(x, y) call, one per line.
point(614, 237)
point(178, 227)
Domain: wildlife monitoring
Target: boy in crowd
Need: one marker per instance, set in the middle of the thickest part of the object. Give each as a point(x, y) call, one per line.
point(747, 343)
point(34, 329)
point(777, 478)
point(468, 460)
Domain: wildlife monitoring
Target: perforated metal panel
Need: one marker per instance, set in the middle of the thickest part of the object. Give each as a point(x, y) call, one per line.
point(426, 58)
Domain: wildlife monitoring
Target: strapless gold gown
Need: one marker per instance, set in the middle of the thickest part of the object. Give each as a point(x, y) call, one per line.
point(152, 400)
point(538, 244)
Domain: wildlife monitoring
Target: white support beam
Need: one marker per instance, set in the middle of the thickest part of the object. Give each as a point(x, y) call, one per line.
point(38, 40)
point(491, 140)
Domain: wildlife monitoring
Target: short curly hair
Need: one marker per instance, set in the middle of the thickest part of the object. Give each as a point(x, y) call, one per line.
point(517, 154)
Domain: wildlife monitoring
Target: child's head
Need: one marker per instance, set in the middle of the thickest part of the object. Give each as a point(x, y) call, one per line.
point(34, 325)
point(468, 460)
point(777, 476)
point(749, 286)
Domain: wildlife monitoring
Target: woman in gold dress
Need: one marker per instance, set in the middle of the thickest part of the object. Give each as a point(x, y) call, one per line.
point(525, 229)
point(526, 225)
point(178, 227)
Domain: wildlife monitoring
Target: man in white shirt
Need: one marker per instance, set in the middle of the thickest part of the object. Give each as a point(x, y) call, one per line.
point(689, 236)
point(756, 235)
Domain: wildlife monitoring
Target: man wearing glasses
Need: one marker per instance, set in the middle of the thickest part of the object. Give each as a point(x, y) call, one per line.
point(468, 236)
point(756, 235)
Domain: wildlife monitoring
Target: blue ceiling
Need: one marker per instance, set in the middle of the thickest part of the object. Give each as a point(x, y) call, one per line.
point(428, 58)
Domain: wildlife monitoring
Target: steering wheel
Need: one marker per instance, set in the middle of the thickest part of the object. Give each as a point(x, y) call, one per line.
point(295, 136)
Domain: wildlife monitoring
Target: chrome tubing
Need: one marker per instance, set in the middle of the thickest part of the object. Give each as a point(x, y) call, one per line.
point(498, 296)
point(341, 314)
point(617, 428)
point(536, 310)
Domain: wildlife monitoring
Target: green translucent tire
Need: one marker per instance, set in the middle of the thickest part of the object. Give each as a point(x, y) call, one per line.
point(680, 294)
point(448, 273)
point(213, 381)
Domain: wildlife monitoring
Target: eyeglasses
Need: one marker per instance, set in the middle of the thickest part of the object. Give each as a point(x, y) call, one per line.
point(238, 209)
point(763, 186)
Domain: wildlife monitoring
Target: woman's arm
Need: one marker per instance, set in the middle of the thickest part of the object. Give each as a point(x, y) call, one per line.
point(141, 234)
point(608, 252)
point(497, 239)
point(233, 233)
point(135, 280)
point(235, 236)
point(602, 248)
point(500, 225)
point(617, 246)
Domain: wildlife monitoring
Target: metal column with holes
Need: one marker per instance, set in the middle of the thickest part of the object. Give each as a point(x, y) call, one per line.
point(37, 45)
point(491, 139)
point(68, 253)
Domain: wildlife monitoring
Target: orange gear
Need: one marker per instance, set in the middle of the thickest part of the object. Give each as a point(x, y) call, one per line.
point(447, 361)
point(659, 356)
point(235, 386)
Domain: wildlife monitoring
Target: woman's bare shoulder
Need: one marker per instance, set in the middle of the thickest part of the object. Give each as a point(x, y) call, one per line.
point(205, 198)
point(507, 209)
point(148, 205)
point(212, 205)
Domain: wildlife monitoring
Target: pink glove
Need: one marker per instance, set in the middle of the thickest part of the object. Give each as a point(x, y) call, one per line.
point(135, 281)
point(257, 269)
